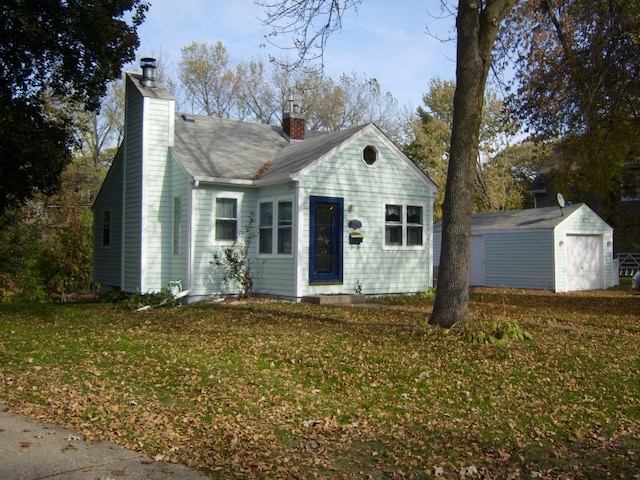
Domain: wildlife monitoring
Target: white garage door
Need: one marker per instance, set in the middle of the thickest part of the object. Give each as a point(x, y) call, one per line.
point(585, 262)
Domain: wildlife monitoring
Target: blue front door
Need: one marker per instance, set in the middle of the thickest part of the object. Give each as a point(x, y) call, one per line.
point(325, 244)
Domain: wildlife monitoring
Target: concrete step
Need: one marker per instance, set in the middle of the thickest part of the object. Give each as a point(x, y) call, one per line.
point(334, 299)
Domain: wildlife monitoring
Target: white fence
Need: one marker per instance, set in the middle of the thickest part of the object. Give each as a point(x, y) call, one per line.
point(628, 264)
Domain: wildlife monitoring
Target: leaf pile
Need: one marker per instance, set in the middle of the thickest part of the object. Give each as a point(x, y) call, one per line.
point(279, 390)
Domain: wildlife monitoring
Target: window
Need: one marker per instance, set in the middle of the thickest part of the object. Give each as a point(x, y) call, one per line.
point(393, 225)
point(414, 225)
point(285, 227)
point(226, 219)
point(265, 240)
point(275, 224)
point(177, 225)
point(403, 225)
point(106, 229)
point(370, 155)
point(630, 193)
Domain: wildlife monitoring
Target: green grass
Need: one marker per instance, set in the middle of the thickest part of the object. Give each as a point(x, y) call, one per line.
point(278, 390)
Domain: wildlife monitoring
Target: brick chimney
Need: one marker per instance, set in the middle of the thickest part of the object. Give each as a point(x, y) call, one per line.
point(293, 122)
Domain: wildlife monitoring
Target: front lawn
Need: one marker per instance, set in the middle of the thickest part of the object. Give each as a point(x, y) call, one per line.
point(280, 390)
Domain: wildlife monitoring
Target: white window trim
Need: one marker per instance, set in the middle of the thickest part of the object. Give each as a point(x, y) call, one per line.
point(231, 195)
point(274, 227)
point(404, 204)
point(273, 236)
point(377, 161)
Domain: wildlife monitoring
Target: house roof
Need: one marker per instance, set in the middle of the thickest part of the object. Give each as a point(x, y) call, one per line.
point(531, 218)
point(213, 149)
point(157, 91)
point(301, 154)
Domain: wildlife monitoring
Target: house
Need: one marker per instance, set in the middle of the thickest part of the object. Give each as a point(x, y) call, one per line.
point(334, 213)
point(550, 248)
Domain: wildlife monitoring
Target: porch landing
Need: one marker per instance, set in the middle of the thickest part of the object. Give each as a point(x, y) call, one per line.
point(334, 299)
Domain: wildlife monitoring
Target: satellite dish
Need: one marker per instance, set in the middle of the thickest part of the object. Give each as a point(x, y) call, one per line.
point(561, 203)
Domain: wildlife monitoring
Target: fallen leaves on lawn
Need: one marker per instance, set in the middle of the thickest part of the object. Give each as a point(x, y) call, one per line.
point(279, 390)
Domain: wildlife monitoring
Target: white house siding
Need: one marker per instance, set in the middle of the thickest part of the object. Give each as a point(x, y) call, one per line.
point(368, 268)
point(275, 274)
point(179, 263)
point(206, 277)
point(159, 191)
point(583, 222)
point(133, 149)
point(107, 259)
point(519, 259)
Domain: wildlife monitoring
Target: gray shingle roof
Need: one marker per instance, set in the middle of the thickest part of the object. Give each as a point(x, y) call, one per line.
point(299, 155)
point(531, 218)
point(153, 92)
point(213, 149)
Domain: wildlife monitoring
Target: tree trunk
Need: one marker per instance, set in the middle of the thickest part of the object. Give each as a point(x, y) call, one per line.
point(477, 26)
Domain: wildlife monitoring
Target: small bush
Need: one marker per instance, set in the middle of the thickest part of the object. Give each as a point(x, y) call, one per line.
point(113, 296)
point(163, 298)
point(484, 331)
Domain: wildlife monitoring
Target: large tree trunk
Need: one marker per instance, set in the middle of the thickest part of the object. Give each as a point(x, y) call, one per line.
point(477, 25)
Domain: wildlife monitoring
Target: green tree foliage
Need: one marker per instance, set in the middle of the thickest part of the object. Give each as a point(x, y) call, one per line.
point(577, 80)
point(46, 245)
point(430, 141)
point(54, 56)
point(430, 135)
point(508, 175)
point(67, 246)
point(66, 255)
point(20, 276)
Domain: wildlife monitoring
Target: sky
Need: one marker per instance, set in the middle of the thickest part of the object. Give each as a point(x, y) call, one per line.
point(397, 42)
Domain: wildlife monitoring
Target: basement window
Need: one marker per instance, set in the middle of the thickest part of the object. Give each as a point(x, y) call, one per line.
point(370, 155)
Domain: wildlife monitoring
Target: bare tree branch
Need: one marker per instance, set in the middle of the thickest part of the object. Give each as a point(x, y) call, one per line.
point(305, 24)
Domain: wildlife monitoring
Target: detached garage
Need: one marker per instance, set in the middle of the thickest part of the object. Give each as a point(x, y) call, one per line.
point(548, 248)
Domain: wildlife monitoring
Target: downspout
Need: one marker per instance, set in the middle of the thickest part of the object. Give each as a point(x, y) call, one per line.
point(191, 238)
point(122, 210)
point(144, 218)
point(299, 196)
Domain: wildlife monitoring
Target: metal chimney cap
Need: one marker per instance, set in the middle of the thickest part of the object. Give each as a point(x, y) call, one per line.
point(148, 66)
point(148, 62)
